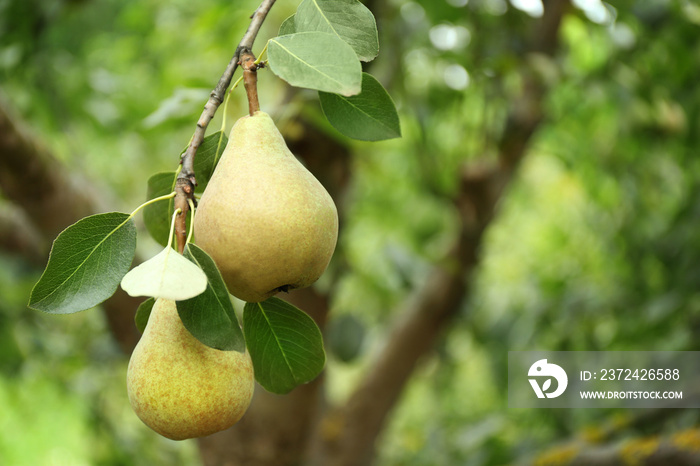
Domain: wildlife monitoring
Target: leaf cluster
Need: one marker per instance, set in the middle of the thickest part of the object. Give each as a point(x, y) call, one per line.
point(320, 47)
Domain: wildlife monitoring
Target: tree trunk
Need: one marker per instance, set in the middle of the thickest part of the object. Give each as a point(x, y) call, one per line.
point(54, 198)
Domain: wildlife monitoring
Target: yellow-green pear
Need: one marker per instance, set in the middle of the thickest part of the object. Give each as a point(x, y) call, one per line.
point(182, 388)
point(265, 220)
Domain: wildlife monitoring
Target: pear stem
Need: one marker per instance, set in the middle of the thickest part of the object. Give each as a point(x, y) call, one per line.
point(250, 80)
point(186, 181)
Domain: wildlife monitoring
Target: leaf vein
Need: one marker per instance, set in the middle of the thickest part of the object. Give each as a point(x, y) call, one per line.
point(317, 69)
point(83, 262)
point(274, 334)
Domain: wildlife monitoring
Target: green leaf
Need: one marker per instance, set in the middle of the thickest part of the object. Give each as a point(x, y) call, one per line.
point(316, 60)
point(368, 116)
point(287, 26)
point(157, 216)
point(350, 20)
point(167, 275)
point(284, 343)
point(87, 261)
point(208, 155)
point(210, 316)
point(143, 313)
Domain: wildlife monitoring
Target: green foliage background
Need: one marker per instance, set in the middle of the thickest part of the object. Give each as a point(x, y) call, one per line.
point(595, 246)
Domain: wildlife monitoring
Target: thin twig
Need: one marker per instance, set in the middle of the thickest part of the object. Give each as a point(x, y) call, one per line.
point(186, 180)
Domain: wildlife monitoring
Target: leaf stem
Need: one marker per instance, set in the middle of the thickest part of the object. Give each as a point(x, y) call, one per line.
point(235, 85)
point(223, 121)
point(262, 52)
point(152, 201)
point(191, 233)
point(172, 227)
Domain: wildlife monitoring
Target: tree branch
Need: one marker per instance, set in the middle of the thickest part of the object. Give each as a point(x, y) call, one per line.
point(31, 177)
point(347, 436)
point(19, 237)
point(606, 443)
point(679, 449)
point(186, 180)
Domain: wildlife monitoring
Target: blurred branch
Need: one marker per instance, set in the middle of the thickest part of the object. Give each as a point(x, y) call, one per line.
point(186, 180)
point(642, 421)
point(53, 198)
point(679, 449)
point(598, 445)
point(19, 237)
point(31, 177)
point(348, 434)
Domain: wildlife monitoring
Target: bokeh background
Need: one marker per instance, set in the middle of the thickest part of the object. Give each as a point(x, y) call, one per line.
point(545, 195)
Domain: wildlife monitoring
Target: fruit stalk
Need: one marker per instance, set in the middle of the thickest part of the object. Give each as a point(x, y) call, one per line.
point(250, 80)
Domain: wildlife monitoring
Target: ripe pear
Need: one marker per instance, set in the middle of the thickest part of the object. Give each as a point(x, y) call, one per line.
point(182, 388)
point(265, 220)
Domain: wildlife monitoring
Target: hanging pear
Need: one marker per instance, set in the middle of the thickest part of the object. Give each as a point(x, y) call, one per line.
point(268, 224)
point(182, 388)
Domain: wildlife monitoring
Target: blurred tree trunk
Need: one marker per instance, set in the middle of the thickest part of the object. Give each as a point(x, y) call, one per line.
point(52, 197)
point(275, 430)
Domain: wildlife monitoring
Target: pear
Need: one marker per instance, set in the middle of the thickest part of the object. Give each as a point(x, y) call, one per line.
point(265, 220)
point(182, 388)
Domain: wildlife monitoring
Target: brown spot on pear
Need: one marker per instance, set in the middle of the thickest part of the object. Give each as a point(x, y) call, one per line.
point(264, 218)
point(182, 388)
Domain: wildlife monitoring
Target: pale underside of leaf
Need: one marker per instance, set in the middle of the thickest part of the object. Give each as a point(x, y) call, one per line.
point(297, 59)
point(351, 21)
point(168, 275)
point(307, 64)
